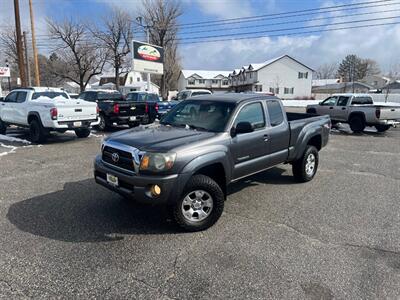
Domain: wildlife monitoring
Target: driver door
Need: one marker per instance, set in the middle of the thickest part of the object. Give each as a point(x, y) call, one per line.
point(250, 150)
point(327, 106)
point(7, 107)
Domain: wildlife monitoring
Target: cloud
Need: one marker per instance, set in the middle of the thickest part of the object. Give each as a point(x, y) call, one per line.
point(378, 43)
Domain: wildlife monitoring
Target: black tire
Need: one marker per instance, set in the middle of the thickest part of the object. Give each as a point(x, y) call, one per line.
point(37, 133)
point(3, 127)
point(104, 124)
point(382, 128)
point(301, 169)
point(82, 132)
point(357, 124)
point(210, 187)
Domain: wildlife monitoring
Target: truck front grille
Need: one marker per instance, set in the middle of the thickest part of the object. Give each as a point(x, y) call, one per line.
point(118, 158)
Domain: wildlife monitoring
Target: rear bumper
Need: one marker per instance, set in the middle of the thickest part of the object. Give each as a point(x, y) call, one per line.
point(389, 122)
point(74, 124)
point(137, 187)
point(128, 119)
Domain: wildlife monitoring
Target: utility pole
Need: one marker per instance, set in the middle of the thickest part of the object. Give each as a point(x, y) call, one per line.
point(19, 44)
point(35, 55)
point(148, 74)
point(27, 65)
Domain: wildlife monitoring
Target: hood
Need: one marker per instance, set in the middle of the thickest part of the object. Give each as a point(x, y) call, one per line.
point(158, 137)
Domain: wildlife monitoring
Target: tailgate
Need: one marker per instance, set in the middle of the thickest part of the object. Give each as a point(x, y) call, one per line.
point(76, 111)
point(132, 108)
point(389, 113)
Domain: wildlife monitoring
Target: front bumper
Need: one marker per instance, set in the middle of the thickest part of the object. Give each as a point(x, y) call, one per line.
point(136, 186)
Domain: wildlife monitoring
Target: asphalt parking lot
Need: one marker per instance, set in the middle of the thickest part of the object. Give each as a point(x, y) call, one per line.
point(335, 237)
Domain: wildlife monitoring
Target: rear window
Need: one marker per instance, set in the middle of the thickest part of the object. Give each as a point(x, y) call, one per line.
point(153, 97)
point(275, 113)
point(51, 95)
point(110, 96)
point(362, 100)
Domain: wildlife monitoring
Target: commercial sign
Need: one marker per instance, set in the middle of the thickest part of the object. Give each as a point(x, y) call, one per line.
point(147, 58)
point(4, 72)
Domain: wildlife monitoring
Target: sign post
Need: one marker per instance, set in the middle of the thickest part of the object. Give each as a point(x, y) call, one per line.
point(147, 58)
point(4, 72)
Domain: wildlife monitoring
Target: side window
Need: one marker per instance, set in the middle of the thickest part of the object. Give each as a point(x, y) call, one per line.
point(11, 97)
point(82, 96)
point(132, 97)
point(252, 113)
point(342, 101)
point(362, 100)
point(21, 97)
point(331, 101)
point(91, 96)
point(275, 113)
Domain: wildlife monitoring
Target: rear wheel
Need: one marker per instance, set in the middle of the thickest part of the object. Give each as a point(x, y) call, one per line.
point(201, 204)
point(38, 134)
point(3, 127)
point(82, 132)
point(103, 125)
point(382, 128)
point(305, 168)
point(357, 124)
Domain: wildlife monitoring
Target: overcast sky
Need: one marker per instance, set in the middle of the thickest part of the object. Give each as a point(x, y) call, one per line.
point(314, 49)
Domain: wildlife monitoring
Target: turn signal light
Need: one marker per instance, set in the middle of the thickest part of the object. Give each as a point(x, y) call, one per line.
point(116, 108)
point(144, 163)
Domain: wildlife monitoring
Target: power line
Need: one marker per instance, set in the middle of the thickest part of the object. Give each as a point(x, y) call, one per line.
point(283, 13)
point(293, 33)
point(287, 29)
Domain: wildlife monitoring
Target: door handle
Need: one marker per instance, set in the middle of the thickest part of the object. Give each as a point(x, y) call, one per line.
point(266, 137)
point(331, 107)
point(343, 108)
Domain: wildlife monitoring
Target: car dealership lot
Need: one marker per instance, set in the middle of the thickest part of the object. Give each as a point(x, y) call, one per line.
point(336, 236)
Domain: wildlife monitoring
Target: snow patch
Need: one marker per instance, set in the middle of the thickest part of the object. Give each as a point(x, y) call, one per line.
point(11, 139)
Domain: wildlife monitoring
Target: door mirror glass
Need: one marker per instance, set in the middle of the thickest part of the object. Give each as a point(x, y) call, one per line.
point(243, 127)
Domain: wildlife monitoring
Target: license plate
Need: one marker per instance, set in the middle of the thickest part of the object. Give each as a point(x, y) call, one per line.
point(113, 180)
point(132, 119)
point(77, 124)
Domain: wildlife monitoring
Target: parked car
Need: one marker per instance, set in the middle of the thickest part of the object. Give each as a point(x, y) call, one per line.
point(185, 94)
point(44, 110)
point(113, 108)
point(359, 111)
point(186, 161)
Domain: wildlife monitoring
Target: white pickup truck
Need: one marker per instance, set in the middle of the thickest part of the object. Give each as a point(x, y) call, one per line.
point(359, 111)
point(47, 109)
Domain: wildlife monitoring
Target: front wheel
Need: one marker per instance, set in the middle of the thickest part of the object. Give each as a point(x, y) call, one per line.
point(82, 132)
point(382, 128)
point(201, 204)
point(3, 127)
point(305, 168)
point(103, 123)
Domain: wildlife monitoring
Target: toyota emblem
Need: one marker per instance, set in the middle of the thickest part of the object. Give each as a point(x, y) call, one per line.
point(115, 157)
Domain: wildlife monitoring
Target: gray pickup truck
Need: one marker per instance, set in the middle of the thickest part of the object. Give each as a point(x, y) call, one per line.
point(188, 159)
point(359, 111)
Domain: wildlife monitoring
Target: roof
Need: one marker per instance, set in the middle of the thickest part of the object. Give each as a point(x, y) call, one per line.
point(258, 66)
point(341, 85)
point(41, 89)
point(205, 74)
point(233, 97)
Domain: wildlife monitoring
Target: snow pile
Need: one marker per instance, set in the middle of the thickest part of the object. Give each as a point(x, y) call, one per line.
point(16, 143)
point(299, 103)
point(48, 100)
point(11, 139)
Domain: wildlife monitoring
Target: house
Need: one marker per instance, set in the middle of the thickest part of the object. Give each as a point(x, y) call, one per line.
point(322, 82)
point(376, 81)
point(284, 76)
point(342, 87)
point(216, 81)
point(129, 81)
point(71, 87)
point(392, 88)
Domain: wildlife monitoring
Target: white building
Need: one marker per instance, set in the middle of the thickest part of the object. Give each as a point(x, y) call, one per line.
point(215, 81)
point(284, 76)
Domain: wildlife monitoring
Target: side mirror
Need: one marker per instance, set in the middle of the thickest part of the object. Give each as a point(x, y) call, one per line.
point(242, 127)
point(1, 99)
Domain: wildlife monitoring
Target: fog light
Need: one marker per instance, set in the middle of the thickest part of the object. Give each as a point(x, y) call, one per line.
point(155, 190)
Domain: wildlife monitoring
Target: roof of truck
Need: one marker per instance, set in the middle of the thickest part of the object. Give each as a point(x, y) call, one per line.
point(351, 94)
point(233, 97)
point(41, 89)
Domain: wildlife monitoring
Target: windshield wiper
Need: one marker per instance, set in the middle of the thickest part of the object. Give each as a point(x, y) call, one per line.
point(198, 128)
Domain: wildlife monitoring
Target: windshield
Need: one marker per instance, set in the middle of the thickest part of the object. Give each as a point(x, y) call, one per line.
point(51, 95)
point(200, 114)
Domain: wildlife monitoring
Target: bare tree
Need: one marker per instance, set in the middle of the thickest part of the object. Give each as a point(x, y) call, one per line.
point(162, 18)
point(115, 36)
point(327, 71)
point(82, 58)
point(8, 44)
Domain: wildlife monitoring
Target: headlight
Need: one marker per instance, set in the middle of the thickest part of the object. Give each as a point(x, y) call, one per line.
point(157, 162)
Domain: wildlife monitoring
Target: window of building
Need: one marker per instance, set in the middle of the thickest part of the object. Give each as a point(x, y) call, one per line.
point(225, 82)
point(303, 75)
point(288, 90)
point(276, 90)
point(202, 81)
point(275, 112)
point(250, 74)
point(214, 81)
point(138, 79)
point(191, 81)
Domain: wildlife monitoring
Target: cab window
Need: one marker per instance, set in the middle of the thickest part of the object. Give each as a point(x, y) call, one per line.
point(252, 113)
point(331, 101)
point(21, 97)
point(275, 113)
point(362, 100)
point(11, 97)
point(342, 101)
